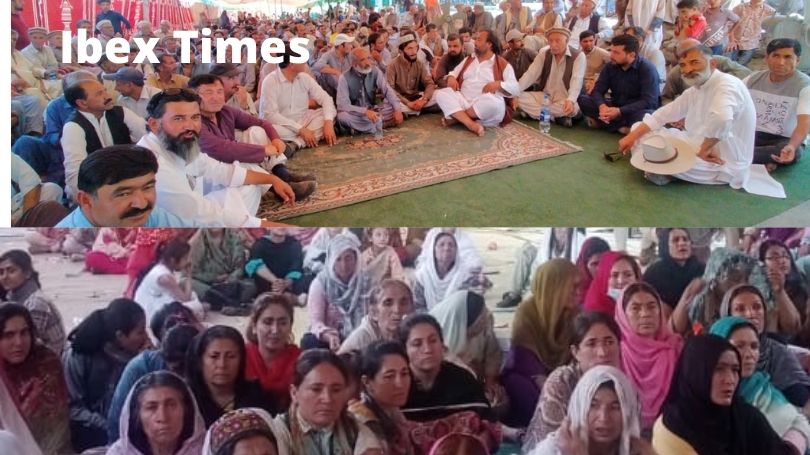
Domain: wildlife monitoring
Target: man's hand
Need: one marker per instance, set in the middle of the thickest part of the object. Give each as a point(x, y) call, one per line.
point(372, 115)
point(376, 55)
point(279, 145)
point(329, 133)
point(610, 113)
point(492, 87)
point(398, 118)
point(786, 155)
point(418, 104)
point(733, 45)
point(308, 136)
point(568, 108)
point(452, 82)
point(284, 191)
point(711, 155)
point(626, 143)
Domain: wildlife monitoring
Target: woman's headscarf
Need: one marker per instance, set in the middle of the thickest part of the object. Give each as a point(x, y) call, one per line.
point(690, 414)
point(721, 261)
point(648, 362)
point(591, 246)
point(436, 288)
point(758, 390)
point(236, 423)
point(456, 313)
point(191, 445)
point(774, 357)
point(597, 298)
point(583, 394)
point(467, 252)
point(542, 321)
point(349, 298)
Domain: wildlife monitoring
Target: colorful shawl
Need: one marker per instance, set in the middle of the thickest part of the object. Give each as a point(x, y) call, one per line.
point(351, 298)
point(276, 376)
point(48, 418)
point(597, 298)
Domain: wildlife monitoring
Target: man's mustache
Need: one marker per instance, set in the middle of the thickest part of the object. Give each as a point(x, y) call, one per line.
point(132, 213)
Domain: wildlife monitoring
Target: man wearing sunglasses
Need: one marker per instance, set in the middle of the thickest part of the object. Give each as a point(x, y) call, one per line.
point(194, 186)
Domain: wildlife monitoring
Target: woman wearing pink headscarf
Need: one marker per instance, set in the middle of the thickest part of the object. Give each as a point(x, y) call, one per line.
point(650, 349)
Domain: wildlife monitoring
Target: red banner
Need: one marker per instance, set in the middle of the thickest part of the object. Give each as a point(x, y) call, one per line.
point(62, 14)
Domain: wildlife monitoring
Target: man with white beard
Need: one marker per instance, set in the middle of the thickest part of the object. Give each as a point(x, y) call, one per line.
point(194, 186)
point(720, 120)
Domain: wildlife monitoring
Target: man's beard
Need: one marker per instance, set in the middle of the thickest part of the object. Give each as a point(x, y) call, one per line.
point(409, 58)
point(364, 70)
point(454, 60)
point(696, 80)
point(188, 149)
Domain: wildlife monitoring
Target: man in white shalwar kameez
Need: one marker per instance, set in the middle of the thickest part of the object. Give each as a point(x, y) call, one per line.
point(479, 100)
point(194, 186)
point(720, 120)
point(649, 15)
point(286, 93)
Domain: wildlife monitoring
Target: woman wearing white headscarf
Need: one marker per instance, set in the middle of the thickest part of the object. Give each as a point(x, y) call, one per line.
point(593, 424)
point(338, 296)
point(444, 270)
point(182, 432)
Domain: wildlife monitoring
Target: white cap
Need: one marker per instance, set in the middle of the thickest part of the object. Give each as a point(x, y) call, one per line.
point(342, 38)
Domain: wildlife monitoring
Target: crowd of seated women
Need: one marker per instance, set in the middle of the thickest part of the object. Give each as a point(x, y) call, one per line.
point(599, 361)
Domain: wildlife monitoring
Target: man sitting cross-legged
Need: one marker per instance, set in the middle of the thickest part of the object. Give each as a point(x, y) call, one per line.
point(719, 116)
point(477, 88)
point(558, 72)
point(782, 131)
point(191, 184)
point(286, 94)
point(232, 136)
point(410, 78)
point(357, 97)
point(633, 85)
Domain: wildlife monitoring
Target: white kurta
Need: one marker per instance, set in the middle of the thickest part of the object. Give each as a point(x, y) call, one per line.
point(644, 12)
point(205, 190)
point(286, 105)
point(489, 107)
point(721, 109)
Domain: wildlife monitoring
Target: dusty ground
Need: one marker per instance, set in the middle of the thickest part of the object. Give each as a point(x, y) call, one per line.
point(77, 293)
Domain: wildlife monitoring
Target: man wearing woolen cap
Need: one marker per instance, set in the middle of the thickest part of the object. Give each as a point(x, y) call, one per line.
point(410, 78)
point(518, 56)
point(557, 71)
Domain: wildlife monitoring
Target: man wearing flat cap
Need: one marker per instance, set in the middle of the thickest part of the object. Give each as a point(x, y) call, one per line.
point(237, 95)
point(558, 72)
point(39, 54)
point(410, 78)
point(518, 56)
point(135, 94)
point(115, 18)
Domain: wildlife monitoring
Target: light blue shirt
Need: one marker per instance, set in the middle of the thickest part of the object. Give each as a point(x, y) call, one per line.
point(158, 218)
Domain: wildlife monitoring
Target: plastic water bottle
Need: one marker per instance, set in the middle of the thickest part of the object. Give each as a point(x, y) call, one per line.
point(545, 116)
point(378, 130)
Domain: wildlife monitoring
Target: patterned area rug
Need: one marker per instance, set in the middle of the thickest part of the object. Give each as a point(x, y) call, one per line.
point(419, 153)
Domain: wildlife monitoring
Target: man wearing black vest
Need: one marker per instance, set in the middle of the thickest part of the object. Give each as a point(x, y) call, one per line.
point(97, 123)
point(557, 71)
point(588, 19)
